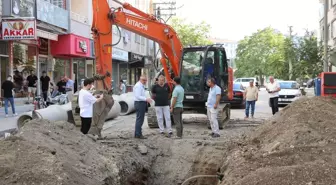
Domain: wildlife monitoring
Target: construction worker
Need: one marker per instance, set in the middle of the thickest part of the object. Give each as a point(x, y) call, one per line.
point(213, 101)
point(176, 107)
point(85, 102)
point(140, 104)
point(161, 94)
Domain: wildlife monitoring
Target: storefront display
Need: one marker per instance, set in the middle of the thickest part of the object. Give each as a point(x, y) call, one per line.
point(62, 68)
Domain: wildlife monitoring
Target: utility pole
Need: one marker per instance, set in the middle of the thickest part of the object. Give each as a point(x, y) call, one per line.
point(326, 37)
point(290, 61)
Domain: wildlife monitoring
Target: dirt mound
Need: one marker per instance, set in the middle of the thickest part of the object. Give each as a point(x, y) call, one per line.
point(297, 146)
point(54, 153)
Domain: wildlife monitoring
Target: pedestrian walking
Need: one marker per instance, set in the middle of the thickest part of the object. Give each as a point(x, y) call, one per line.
point(45, 80)
point(140, 104)
point(122, 87)
point(32, 82)
point(85, 103)
point(251, 96)
point(7, 87)
point(161, 97)
point(214, 97)
point(176, 107)
point(273, 89)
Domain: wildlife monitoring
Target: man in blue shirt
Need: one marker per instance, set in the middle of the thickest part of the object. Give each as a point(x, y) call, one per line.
point(177, 106)
point(214, 97)
point(140, 104)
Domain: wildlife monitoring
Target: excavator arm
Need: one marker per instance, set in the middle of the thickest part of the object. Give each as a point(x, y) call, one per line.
point(140, 23)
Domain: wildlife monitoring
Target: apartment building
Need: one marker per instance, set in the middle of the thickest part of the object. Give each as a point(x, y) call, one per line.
point(230, 48)
point(331, 29)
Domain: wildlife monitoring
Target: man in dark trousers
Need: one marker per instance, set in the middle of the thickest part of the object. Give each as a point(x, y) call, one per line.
point(61, 86)
point(85, 102)
point(45, 80)
point(161, 97)
point(176, 106)
point(273, 89)
point(32, 82)
point(140, 104)
point(7, 87)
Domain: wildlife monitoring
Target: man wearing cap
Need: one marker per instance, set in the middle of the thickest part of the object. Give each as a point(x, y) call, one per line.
point(251, 96)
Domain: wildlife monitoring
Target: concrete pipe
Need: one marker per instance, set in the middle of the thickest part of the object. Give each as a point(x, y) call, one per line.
point(114, 112)
point(24, 118)
point(126, 103)
point(53, 112)
point(116, 98)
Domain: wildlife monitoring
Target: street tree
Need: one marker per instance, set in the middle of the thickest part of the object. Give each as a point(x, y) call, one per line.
point(260, 54)
point(191, 34)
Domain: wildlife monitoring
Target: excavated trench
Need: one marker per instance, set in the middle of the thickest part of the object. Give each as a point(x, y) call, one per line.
point(159, 160)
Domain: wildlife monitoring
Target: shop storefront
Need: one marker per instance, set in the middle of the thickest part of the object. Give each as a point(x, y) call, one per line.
point(70, 53)
point(119, 66)
point(136, 64)
point(4, 61)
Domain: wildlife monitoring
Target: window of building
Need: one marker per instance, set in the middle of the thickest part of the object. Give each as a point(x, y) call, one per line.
point(137, 38)
point(322, 33)
point(333, 29)
point(329, 32)
point(59, 3)
point(142, 40)
point(62, 68)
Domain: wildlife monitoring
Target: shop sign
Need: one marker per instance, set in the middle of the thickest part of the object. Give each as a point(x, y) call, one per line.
point(136, 57)
point(119, 54)
point(81, 45)
point(18, 30)
point(44, 45)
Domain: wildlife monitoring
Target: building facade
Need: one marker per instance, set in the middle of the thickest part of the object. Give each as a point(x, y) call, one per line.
point(57, 38)
point(331, 30)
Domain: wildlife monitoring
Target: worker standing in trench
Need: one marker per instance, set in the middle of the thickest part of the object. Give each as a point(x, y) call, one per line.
point(85, 102)
point(140, 104)
point(161, 97)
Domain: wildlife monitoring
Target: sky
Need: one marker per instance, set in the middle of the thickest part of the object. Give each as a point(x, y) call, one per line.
point(234, 19)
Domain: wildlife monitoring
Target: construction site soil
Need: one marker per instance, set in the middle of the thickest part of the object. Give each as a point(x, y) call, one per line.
point(297, 146)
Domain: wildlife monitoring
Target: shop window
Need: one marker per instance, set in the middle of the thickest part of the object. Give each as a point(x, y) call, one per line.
point(24, 61)
point(62, 68)
point(3, 48)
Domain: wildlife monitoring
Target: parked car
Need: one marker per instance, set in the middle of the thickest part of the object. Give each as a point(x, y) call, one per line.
point(245, 81)
point(238, 96)
point(290, 91)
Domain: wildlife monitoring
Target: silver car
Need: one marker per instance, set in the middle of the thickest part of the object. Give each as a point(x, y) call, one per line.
point(290, 91)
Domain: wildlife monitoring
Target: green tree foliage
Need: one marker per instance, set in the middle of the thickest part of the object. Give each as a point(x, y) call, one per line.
point(268, 52)
point(260, 54)
point(191, 34)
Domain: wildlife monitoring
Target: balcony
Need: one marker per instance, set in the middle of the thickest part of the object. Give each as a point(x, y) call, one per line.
point(80, 25)
point(52, 14)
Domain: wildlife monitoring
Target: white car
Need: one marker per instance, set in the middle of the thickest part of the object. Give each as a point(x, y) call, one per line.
point(245, 81)
point(290, 91)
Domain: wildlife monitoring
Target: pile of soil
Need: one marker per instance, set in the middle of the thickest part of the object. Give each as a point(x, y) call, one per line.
point(297, 146)
point(57, 153)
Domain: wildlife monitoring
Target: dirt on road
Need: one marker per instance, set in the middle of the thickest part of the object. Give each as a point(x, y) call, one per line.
point(297, 146)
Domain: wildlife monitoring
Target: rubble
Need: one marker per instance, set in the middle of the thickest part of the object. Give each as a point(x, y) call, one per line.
point(297, 146)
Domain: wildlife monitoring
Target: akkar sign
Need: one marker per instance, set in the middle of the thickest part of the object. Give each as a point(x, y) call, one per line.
point(18, 30)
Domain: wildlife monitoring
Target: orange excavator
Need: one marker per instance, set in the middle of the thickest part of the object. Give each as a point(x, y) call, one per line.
point(192, 64)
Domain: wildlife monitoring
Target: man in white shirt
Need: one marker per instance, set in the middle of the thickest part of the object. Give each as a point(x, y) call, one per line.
point(85, 102)
point(140, 104)
point(251, 96)
point(273, 89)
point(214, 97)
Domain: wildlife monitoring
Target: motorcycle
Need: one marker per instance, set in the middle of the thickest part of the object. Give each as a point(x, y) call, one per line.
point(58, 100)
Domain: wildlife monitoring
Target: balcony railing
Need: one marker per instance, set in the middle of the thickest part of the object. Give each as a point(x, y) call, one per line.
point(52, 14)
point(79, 18)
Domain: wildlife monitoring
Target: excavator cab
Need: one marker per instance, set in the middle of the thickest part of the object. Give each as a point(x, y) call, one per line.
point(198, 64)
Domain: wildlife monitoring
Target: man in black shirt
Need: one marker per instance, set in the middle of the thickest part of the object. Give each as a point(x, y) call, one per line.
point(7, 87)
point(45, 80)
point(32, 82)
point(61, 86)
point(161, 92)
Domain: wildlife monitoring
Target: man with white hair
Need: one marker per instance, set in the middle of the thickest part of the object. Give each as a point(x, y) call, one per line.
point(273, 89)
point(161, 92)
point(251, 96)
point(140, 104)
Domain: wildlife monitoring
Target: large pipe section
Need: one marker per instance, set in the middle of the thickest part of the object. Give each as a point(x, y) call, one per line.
point(114, 112)
point(126, 102)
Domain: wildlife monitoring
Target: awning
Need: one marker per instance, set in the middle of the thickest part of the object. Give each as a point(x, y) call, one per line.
point(46, 35)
